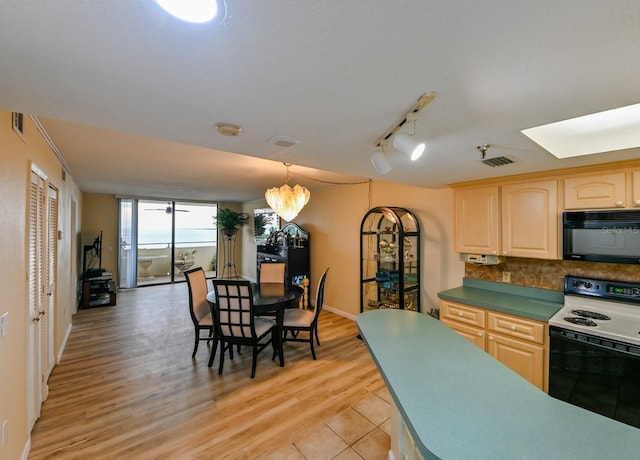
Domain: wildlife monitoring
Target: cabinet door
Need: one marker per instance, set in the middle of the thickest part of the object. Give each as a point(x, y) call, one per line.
point(524, 358)
point(530, 220)
point(477, 221)
point(472, 334)
point(595, 191)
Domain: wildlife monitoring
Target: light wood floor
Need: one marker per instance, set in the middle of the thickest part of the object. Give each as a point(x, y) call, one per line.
point(127, 387)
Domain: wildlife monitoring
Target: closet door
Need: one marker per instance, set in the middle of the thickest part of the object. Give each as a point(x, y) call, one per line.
point(35, 310)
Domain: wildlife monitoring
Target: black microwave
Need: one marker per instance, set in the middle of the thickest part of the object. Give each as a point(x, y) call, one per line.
point(602, 236)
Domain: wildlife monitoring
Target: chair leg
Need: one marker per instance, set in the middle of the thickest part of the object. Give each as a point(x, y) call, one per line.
point(213, 350)
point(221, 357)
point(195, 345)
point(313, 352)
point(254, 361)
point(317, 338)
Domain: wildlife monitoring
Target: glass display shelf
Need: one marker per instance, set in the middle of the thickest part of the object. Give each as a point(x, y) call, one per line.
point(389, 259)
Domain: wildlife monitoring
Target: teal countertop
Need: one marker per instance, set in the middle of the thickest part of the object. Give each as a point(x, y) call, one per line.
point(459, 403)
point(533, 303)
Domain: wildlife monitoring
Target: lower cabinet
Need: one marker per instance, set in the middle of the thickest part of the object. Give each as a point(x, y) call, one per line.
point(519, 343)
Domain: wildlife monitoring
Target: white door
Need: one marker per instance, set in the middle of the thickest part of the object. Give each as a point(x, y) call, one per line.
point(48, 320)
point(35, 309)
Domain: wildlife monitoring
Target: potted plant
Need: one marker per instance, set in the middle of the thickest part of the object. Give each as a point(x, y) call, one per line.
point(229, 220)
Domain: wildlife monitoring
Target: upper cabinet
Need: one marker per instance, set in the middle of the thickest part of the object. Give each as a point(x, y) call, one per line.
point(610, 190)
point(515, 220)
point(595, 191)
point(477, 220)
point(530, 219)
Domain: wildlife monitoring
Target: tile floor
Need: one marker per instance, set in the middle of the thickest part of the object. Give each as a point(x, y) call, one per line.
point(361, 432)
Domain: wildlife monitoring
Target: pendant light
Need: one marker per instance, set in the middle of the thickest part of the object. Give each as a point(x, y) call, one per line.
point(287, 202)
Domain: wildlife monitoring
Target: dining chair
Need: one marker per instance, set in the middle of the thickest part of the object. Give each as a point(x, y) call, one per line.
point(199, 308)
point(304, 320)
point(237, 324)
point(272, 272)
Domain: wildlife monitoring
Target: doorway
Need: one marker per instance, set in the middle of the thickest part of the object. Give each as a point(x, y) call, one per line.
point(159, 240)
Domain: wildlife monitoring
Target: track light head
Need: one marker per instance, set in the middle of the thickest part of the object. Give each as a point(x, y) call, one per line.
point(380, 162)
point(406, 144)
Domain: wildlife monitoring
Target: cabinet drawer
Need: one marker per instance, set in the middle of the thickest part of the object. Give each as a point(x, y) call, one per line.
point(525, 329)
point(462, 313)
point(473, 334)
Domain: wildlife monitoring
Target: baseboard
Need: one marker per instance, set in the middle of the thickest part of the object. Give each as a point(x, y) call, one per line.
point(63, 345)
point(27, 449)
point(339, 312)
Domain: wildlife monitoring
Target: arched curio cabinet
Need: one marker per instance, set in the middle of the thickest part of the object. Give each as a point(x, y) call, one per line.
point(389, 259)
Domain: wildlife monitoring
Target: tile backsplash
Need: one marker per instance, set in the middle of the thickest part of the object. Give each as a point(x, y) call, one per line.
point(549, 274)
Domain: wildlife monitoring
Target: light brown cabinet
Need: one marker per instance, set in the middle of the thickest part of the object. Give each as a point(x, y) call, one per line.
point(477, 220)
point(609, 190)
point(595, 191)
point(530, 220)
point(516, 220)
point(519, 343)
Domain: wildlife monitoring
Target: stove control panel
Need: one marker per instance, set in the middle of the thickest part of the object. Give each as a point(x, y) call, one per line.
point(606, 289)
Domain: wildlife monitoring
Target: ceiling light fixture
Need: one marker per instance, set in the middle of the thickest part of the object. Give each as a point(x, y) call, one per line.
point(197, 11)
point(287, 202)
point(403, 142)
point(228, 129)
point(379, 160)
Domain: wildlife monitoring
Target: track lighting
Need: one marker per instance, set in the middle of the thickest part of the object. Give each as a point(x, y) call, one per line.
point(403, 142)
point(406, 144)
point(380, 162)
point(191, 10)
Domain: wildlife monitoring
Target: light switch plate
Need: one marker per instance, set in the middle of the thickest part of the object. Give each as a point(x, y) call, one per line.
point(4, 325)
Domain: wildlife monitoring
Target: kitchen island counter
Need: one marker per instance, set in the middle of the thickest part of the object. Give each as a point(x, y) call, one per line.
point(459, 403)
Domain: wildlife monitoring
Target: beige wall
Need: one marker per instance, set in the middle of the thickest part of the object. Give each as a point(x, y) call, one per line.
point(100, 213)
point(16, 157)
point(333, 217)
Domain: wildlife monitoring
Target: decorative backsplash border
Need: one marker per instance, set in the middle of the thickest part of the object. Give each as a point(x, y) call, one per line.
point(549, 274)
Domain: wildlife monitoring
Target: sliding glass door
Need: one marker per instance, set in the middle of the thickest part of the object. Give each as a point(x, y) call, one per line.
point(159, 240)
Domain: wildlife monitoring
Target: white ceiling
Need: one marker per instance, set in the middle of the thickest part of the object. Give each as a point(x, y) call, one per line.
point(131, 95)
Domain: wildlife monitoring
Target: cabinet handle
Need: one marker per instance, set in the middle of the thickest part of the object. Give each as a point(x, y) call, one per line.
point(490, 337)
point(619, 203)
point(480, 334)
point(461, 315)
point(637, 202)
point(513, 328)
point(495, 252)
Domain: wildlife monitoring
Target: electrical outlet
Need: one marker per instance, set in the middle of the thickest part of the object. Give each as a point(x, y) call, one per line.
point(506, 277)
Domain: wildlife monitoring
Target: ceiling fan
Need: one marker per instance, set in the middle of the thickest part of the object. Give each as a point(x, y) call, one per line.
point(168, 210)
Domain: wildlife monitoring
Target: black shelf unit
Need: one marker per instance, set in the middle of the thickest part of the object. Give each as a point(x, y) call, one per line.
point(389, 259)
point(98, 288)
point(291, 246)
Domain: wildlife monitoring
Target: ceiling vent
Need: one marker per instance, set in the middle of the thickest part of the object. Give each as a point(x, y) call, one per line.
point(497, 161)
point(284, 141)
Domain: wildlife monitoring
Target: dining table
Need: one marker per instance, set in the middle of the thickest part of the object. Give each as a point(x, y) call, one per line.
point(269, 299)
